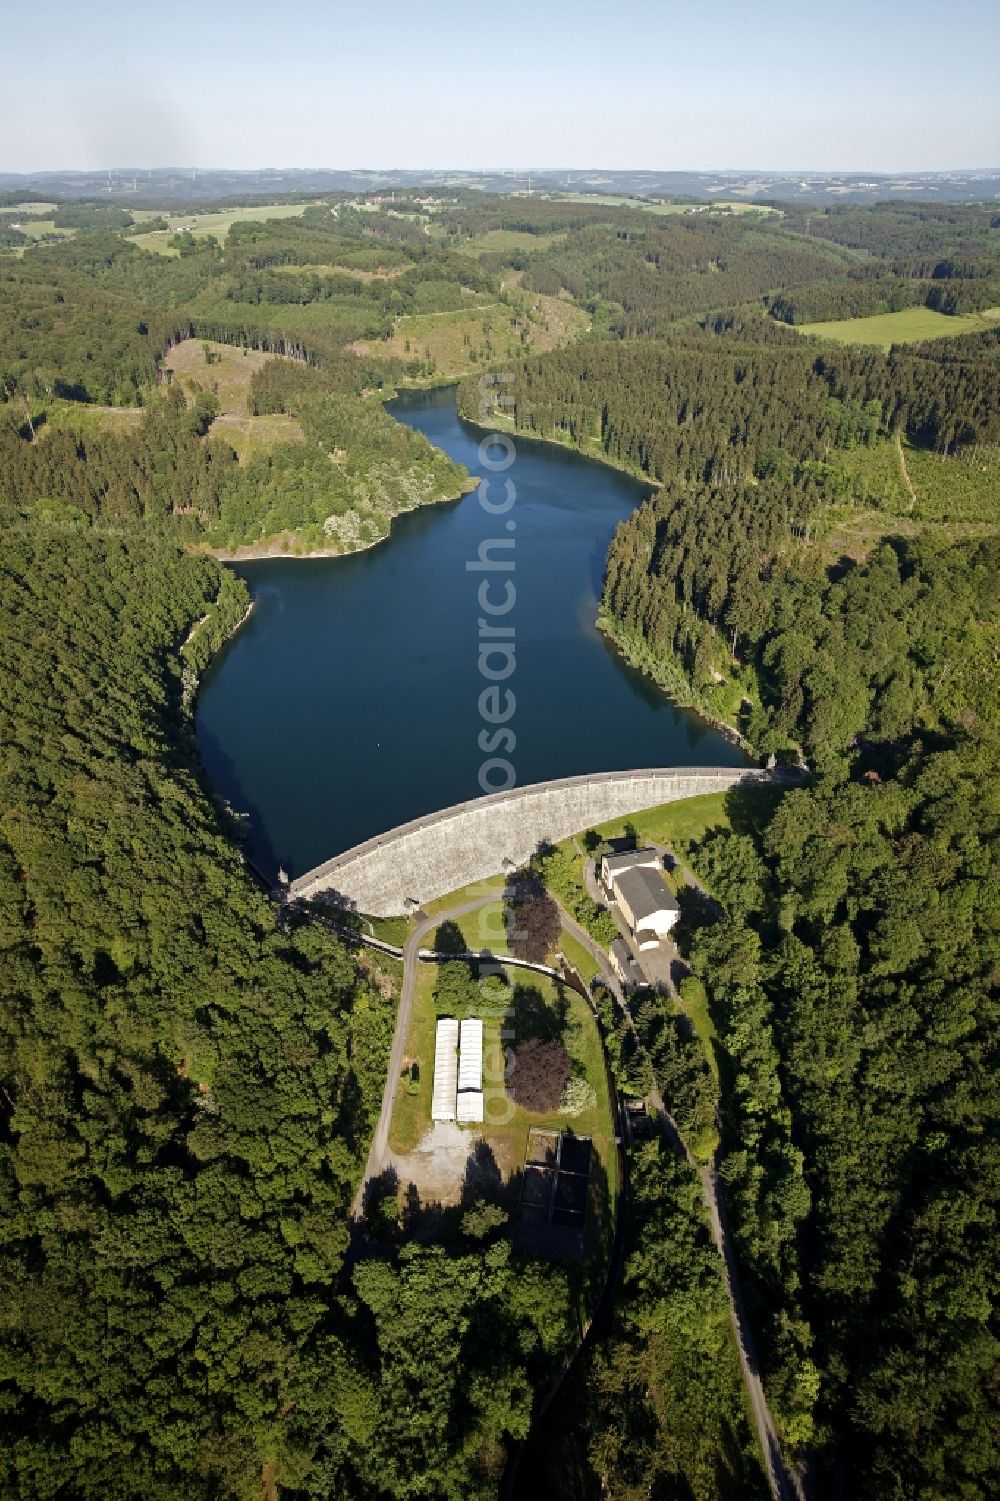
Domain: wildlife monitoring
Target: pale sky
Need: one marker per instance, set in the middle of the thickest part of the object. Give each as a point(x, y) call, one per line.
point(880, 85)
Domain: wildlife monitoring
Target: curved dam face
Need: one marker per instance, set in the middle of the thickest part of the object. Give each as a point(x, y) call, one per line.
point(441, 852)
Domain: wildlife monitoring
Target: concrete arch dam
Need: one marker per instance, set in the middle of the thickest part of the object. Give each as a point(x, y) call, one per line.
point(441, 852)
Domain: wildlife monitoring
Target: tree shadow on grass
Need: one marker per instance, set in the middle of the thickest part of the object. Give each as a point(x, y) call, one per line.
point(536, 1017)
point(449, 939)
point(483, 1180)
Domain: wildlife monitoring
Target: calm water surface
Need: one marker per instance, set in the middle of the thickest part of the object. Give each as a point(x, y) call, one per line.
point(348, 703)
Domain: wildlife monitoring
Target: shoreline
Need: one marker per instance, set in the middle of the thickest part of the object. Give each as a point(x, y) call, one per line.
point(270, 550)
point(604, 624)
point(506, 425)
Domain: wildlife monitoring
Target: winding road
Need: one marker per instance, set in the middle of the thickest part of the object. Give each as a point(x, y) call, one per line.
point(785, 1483)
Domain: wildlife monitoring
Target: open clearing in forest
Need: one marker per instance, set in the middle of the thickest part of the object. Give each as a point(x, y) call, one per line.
point(505, 241)
point(653, 206)
point(435, 1156)
point(229, 375)
point(906, 327)
point(384, 273)
point(454, 343)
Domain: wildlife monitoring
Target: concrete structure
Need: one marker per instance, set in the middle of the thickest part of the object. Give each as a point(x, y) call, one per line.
point(439, 853)
point(613, 865)
point(647, 905)
point(445, 1070)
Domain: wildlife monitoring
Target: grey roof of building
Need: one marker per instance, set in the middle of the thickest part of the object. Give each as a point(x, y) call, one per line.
point(627, 858)
point(646, 892)
point(628, 967)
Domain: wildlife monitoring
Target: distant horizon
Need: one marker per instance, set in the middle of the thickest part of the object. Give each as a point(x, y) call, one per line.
point(506, 169)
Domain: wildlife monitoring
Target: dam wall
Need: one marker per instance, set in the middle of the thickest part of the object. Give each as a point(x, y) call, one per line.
point(440, 852)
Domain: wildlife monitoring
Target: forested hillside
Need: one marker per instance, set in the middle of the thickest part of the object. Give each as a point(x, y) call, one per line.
point(818, 566)
point(188, 1083)
point(186, 1095)
point(716, 584)
point(854, 989)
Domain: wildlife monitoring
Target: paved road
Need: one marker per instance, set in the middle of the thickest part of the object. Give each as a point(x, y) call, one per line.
point(784, 1482)
point(411, 959)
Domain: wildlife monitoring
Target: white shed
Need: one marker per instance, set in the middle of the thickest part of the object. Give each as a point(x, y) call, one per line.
point(470, 1055)
point(470, 1105)
point(445, 1070)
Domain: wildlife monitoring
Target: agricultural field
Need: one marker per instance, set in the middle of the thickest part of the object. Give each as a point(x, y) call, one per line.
point(203, 224)
point(906, 327)
point(38, 225)
point(506, 241)
point(653, 206)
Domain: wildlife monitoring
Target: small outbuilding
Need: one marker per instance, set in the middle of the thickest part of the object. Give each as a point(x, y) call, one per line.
point(624, 966)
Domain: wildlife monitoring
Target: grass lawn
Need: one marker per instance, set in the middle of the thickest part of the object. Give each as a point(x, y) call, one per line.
point(905, 327)
point(581, 958)
point(411, 1109)
point(466, 894)
point(484, 929)
point(691, 817)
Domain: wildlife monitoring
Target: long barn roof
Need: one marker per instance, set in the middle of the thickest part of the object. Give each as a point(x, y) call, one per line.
point(445, 1070)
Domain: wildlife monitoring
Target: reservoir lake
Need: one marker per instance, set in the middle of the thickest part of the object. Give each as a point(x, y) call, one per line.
point(349, 701)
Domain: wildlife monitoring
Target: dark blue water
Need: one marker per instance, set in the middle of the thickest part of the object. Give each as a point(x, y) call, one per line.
point(349, 702)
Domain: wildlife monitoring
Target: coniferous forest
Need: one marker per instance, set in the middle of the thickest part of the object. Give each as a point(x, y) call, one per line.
point(189, 1077)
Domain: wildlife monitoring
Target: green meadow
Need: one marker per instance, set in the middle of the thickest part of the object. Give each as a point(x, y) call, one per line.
point(906, 327)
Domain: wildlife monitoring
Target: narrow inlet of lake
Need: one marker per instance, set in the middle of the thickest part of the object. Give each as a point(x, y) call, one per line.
point(350, 701)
